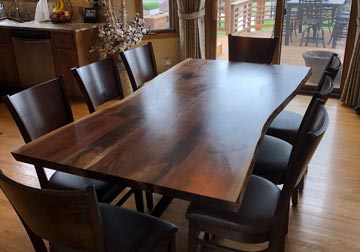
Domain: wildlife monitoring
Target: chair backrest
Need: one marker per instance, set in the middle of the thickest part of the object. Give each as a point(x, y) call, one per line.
point(325, 88)
point(66, 218)
point(99, 82)
point(334, 65)
point(313, 126)
point(140, 65)
point(310, 11)
point(39, 110)
point(253, 50)
point(326, 82)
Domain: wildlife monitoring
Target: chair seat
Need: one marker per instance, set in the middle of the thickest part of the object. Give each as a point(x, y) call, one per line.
point(285, 126)
point(254, 217)
point(129, 231)
point(272, 159)
point(105, 192)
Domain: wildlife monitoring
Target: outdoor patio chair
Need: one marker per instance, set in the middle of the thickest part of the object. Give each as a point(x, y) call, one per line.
point(310, 17)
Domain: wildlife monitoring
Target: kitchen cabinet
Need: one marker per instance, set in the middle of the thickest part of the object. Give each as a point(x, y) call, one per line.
point(8, 72)
point(70, 46)
point(73, 50)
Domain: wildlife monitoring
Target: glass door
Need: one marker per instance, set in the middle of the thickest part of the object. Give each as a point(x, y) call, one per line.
point(312, 30)
point(309, 30)
point(255, 18)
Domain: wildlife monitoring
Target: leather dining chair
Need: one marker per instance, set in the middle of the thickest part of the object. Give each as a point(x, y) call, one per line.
point(41, 109)
point(252, 50)
point(264, 211)
point(286, 125)
point(99, 83)
point(74, 221)
point(140, 65)
point(274, 154)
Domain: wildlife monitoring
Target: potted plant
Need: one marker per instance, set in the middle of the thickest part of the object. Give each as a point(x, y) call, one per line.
point(151, 8)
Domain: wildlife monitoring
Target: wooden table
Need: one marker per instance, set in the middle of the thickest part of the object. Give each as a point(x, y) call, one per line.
point(190, 133)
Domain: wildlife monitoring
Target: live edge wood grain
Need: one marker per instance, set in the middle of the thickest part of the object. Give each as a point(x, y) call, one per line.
point(190, 133)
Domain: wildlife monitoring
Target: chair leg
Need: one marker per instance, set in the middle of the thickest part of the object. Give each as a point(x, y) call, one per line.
point(286, 222)
point(139, 201)
point(301, 184)
point(294, 197)
point(172, 246)
point(149, 200)
point(193, 236)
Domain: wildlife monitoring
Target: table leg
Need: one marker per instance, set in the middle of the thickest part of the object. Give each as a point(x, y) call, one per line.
point(161, 206)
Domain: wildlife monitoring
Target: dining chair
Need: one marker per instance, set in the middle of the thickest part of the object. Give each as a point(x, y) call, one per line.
point(264, 211)
point(99, 83)
point(274, 154)
point(41, 109)
point(286, 125)
point(311, 17)
point(140, 65)
point(74, 221)
point(252, 50)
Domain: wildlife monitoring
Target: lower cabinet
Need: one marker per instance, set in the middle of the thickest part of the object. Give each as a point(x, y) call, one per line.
point(70, 49)
point(8, 72)
point(73, 50)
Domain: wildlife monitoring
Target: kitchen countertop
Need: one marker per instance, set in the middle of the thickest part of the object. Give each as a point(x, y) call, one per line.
point(48, 25)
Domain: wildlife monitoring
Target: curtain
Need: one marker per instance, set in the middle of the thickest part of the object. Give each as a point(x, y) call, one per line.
point(351, 93)
point(191, 28)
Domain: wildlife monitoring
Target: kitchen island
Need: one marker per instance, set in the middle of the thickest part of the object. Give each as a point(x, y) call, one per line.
point(70, 45)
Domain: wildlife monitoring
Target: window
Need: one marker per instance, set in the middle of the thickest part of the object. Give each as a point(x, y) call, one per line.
point(158, 14)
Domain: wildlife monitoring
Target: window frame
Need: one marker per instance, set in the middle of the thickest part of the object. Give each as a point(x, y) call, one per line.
point(173, 19)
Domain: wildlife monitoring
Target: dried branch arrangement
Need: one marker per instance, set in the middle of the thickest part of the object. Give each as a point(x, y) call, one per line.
point(117, 34)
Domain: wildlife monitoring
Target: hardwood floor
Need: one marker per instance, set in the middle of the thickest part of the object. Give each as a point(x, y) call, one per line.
point(326, 219)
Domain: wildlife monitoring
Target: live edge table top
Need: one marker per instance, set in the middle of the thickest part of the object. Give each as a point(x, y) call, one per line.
point(190, 133)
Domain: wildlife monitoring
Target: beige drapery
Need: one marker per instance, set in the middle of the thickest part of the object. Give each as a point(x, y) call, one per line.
point(191, 28)
point(351, 93)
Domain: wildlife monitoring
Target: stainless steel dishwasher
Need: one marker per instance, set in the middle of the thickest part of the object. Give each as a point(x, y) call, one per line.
point(33, 55)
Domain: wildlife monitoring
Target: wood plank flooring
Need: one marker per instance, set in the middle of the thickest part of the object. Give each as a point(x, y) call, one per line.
point(326, 219)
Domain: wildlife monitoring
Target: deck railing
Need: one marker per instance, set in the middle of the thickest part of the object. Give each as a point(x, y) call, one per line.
point(244, 15)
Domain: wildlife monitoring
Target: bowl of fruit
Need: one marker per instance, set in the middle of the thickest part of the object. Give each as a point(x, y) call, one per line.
point(62, 12)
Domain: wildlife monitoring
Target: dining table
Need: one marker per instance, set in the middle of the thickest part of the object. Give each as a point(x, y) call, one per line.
point(292, 6)
point(190, 133)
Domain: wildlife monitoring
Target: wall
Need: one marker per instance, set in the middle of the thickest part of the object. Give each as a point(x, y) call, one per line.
point(163, 48)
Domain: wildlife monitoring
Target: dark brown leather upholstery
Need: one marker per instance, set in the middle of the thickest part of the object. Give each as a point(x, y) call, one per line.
point(99, 82)
point(272, 159)
point(253, 50)
point(263, 214)
point(254, 217)
point(74, 221)
point(40, 110)
point(276, 146)
point(286, 125)
point(140, 65)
